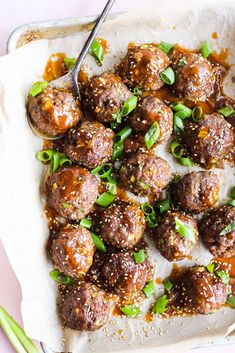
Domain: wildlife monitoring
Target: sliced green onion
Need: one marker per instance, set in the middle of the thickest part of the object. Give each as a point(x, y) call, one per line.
point(61, 278)
point(167, 284)
point(228, 229)
point(143, 185)
point(178, 123)
point(226, 111)
point(182, 110)
point(55, 161)
point(97, 51)
point(66, 205)
point(139, 256)
point(231, 301)
point(176, 149)
point(210, 267)
point(137, 91)
point(184, 229)
point(118, 149)
point(181, 62)
point(168, 76)
point(37, 88)
point(147, 209)
point(223, 275)
point(232, 193)
point(130, 310)
point(129, 105)
point(123, 134)
point(105, 199)
point(205, 49)
point(186, 162)
point(69, 62)
point(163, 205)
point(152, 135)
point(197, 113)
point(86, 223)
point(150, 214)
point(99, 244)
point(160, 305)
point(151, 221)
point(64, 160)
point(165, 47)
point(45, 156)
point(231, 203)
point(111, 188)
point(103, 171)
point(149, 289)
point(16, 334)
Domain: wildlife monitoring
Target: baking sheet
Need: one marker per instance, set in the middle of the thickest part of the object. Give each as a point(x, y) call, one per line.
point(24, 231)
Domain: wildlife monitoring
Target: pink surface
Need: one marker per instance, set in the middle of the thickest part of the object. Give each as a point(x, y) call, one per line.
point(13, 13)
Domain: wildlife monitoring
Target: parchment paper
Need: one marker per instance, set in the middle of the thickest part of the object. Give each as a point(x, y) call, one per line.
point(23, 226)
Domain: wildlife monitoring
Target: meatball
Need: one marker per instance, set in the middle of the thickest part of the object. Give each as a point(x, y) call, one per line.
point(90, 144)
point(123, 276)
point(122, 224)
point(197, 291)
point(54, 111)
point(210, 141)
point(219, 240)
point(169, 241)
point(196, 191)
point(72, 251)
point(105, 95)
point(150, 110)
point(85, 307)
point(144, 173)
point(194, 75)
point(72, 192)
point(142, 67)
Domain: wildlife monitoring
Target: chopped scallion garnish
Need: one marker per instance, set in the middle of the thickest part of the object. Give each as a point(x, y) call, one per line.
point(167, 284)
point(160, 305)
point(139, 256)
point(37, 88)
point(184, 229)
point(152, 135)
point(56, 159)
point(130, 310)
point(61, 278)
point(99, 244)
point(69, 62)
point(226, 111)
point(103, 171)
point(223, 275)
point(197, 113)
point(165, 47)
point(205, 49)
point(123, 134)
point(105, 199)
point(86, 223)
point(186, 162)
point(228, 229)
point(176, 149)
point(231, 301)
point(97, 51)
point(149, 289)
point(168, 76)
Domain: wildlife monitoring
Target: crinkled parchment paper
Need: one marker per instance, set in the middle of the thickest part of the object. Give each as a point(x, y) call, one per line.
point(23, 226)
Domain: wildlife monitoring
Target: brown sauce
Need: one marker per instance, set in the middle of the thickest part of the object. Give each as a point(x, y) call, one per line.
point(158, 280)
point(148, 317)
point(227, 264)
point(103, 42)
point(54, 67)
point(215, 35)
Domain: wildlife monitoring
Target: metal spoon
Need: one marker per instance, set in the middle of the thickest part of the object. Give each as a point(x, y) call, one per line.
point(70, 80)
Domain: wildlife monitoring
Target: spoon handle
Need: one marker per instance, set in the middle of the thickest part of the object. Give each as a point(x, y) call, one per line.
point(90, 39)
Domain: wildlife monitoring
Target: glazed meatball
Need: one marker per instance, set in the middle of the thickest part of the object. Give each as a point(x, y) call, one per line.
point(72, 192)
point(150, 110)
point(85, 307)
point(142, 67)
point(54, 111)
point(122, 224)
point(171, 244)
point(105, 95)
point(196, 191)
point(198, 292)
point(123, 276)
point(219, 240)
point(210, 141)
point(72, 250)
point(194, 75)
point(90, 144)
point(144, 173)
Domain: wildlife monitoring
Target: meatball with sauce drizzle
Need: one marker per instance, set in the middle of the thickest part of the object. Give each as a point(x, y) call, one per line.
point(217, 230)
point(54, 111)
point(122, 224)
point(90, 144)
point(142, 67)
point(197, 291)
point(197, 191)
point(85, 307)
point(144, 173)
point(210, 141)
point(72, 192)
point(150, 110)
point(123, 276)
point(104, 96)
point(173, 243)
point(194, 75)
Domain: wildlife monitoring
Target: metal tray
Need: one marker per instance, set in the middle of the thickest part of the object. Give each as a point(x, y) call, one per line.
point(59, 29)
